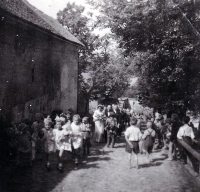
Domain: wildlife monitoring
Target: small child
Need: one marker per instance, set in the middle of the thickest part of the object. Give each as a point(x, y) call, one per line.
point(133, 136)
point(34, 143)
point(77, 139)
point(35, 129)
point(111, 117)
point(67, 137)
point(38, 124)
point(148, 140)
point(69, 117)
point(58, 133)
point(165, 132)
point(49, 143)
point(66, 120)
point(111, 133)
point(24, 139)
point(86, 128)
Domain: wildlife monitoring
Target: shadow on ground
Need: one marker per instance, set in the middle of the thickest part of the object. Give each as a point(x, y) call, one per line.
point(150, 165)
point(37, 178)
point(165, 156)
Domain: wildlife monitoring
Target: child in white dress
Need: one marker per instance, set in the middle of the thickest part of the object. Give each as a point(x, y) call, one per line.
point(58, 133)
point(77, 139)
point(49, 144)
point(67, 137)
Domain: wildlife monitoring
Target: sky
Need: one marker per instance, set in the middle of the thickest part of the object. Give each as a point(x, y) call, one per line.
point(52, 7)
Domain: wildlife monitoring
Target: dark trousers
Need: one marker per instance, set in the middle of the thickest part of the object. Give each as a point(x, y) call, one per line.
point(77, 155)
point(184, 152)
point(119, 131)
point(105, 135)
point(86, 146)
point(110, 140)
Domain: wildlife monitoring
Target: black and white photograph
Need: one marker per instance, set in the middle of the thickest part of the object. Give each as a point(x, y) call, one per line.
point(99, 95)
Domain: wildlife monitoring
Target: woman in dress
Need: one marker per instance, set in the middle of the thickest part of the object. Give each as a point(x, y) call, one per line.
point(98, 117)
point(58, 134)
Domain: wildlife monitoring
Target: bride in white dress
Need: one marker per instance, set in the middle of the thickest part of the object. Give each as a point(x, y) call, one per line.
point(99, 116)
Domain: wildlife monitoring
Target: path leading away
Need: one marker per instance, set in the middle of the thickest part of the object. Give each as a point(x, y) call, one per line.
point(106, 170)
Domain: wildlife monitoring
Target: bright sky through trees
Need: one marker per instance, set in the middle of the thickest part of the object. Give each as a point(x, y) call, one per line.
point(51, 7)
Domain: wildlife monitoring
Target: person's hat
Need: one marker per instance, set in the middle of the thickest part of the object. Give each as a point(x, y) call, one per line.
point(85, 118)
point(57, 119)
point(100, 106)
point(47, 120)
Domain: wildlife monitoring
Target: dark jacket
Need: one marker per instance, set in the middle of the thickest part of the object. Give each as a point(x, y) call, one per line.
point(175, 127)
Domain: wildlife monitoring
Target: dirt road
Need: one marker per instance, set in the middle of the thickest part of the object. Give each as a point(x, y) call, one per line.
point(105, 170)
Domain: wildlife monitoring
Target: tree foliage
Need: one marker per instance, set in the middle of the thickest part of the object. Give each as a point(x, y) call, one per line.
point(102, 72)
point(163, 45)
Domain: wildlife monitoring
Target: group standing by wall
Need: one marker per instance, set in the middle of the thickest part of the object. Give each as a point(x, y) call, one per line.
point(69, 133)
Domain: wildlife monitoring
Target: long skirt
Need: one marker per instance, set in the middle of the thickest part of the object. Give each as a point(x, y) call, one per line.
point(99, 130)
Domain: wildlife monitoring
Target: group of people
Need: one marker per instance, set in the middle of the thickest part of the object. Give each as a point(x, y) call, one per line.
point(145, 135)
point(110, 121)
point(49, 136)
point(71, 133)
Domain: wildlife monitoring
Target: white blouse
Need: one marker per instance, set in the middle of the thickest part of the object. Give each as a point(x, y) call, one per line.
point(185, 130)
point(98, 115)
point(133, 133)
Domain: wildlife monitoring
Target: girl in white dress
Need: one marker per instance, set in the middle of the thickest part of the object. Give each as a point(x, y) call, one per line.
point(67, 137)
point(49, 143)
point(77, 139)
point(99, 117)
point(58, 136)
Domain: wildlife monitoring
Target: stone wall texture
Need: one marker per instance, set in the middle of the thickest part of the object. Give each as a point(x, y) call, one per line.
point(38, 72)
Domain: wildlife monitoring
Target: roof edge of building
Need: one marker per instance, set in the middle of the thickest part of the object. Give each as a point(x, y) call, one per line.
point(40, 28)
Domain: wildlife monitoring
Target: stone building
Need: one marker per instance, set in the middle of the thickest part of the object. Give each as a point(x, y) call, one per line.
point(38, 62)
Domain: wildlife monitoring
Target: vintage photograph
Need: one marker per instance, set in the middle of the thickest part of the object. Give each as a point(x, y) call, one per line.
point(99, 95)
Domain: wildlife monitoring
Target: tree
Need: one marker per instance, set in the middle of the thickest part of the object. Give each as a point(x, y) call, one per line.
point(163, 48)
point(101, 72)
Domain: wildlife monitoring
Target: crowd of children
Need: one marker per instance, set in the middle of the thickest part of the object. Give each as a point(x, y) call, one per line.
point(55, 135)
point(51, 136)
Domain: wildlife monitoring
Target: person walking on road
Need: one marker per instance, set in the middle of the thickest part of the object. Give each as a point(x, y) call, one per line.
point(176, 124)
point(99, 116)
point(186, 134)
point(148, 140)
point(133, 135)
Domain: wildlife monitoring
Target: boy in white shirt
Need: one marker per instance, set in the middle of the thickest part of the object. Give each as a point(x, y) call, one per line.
point(186, 134)
point(133, 135)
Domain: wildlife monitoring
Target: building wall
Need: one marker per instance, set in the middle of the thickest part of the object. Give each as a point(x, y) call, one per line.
point(38, 72)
